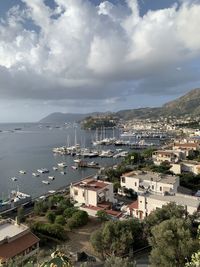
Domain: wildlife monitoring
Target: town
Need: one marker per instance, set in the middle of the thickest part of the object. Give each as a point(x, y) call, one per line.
point(148, 188)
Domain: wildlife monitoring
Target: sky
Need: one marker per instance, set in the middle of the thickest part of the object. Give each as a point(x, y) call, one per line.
point(80, 56)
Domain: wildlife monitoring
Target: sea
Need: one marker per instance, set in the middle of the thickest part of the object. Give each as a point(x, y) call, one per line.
point(28, 146)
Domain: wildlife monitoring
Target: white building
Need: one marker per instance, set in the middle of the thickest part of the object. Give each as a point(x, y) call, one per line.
point(16, 241)
point(186, 166)
point(92, 192)
point(156, 183)
point(148, 202)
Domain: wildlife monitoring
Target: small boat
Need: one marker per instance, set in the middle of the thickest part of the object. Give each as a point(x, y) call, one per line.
point(77, 160)
point(14, 179)
point(74, 167)
point(35, 174)
point(43, 170)
point(51, 191)
point(62, 164)
point(45, 182)
point(55, 168)
point(51, 177)
point(63, 173)
point(22, 172)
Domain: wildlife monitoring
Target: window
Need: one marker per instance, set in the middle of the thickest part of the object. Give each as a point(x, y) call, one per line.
point(160, 188)
point(152, 187)
point(76, 192)
point(135, 183)
point(123, 179)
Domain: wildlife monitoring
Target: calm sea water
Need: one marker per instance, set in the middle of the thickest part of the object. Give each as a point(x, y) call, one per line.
point(30, 148)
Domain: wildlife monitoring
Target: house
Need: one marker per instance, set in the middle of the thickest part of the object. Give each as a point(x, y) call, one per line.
point(148, 202)
point(16, 240)
point(187, 146)
point(186, 166)
point(156, 183)
point(92, 192)
point(170, 156)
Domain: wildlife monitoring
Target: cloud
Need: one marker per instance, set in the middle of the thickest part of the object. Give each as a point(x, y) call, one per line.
point(107, 52)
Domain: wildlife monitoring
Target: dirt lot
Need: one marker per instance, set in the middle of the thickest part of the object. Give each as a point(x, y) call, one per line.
point(79, 238)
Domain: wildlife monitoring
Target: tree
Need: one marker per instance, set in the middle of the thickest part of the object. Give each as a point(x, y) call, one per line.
point(171, 243)
point(117, 238)
point(50, 216)
point(68, 212)
point(119, 262)
point(20, 215)
point(195, 259)
point(167, 211)
point(102, 215)
point(60, 219)
point(79, 218)
point(40, 207)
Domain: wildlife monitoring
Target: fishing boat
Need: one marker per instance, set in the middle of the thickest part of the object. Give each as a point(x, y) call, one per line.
point(63, 173)
point(55, 168)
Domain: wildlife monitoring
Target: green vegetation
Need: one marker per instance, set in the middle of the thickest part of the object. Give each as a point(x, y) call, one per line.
point(195, 259)
point(172, 243)
point(78, 219)
point(190, 181)
point(50, 216)
point(102, 215)
point(51, 230)
point(99, 122)
point(20, 215)
point(117, 238)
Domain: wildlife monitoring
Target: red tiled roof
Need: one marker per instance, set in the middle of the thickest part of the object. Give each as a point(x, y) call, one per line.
point(17, 246)
point(114, 213)
point(186, 144)
point(133, 205)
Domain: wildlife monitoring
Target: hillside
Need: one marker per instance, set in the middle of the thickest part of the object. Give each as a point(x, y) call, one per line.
point(187, 104)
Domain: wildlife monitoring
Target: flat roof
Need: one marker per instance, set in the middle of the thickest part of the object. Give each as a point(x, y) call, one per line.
point(179, 199)
point(8, 228)
point(152, 176)
point(91, 184)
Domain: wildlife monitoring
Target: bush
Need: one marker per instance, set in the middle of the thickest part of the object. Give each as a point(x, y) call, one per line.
point(53, 230)
point(69, 212)
point(60, 219)
point(79, 218)
point(50, 216)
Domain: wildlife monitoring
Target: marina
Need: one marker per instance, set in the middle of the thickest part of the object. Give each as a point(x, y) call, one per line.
point(33, 155)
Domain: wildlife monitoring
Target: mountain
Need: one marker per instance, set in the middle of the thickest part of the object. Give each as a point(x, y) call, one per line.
point(187, 104)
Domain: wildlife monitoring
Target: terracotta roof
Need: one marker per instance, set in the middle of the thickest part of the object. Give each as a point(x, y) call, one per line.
point(186, 144)
point(133, 205)
point(114, 213)
point(17, 246)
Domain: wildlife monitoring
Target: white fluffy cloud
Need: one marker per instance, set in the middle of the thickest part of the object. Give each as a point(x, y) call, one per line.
point(82, 51)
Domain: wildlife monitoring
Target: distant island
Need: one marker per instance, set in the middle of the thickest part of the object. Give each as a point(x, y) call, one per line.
point(184, 105)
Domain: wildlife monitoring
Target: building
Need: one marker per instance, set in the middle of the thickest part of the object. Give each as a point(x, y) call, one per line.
point(186, 166)
point(156, 183)
point(187, 146)
point(92, 192)
point(148, 202)
point(170, 156)
point(16, 241)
